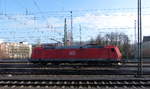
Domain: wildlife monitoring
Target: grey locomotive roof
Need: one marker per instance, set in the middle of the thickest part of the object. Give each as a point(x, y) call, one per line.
point(73, 47)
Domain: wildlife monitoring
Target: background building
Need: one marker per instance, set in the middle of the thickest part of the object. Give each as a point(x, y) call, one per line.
point(146, 47)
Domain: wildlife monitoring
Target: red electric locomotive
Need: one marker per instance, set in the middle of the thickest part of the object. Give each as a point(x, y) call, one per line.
point(86, 53)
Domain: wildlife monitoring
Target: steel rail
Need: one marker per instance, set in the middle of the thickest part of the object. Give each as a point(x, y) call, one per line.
point(71, 71)
point(76, 83)
point(27, 61)
point(29, 65)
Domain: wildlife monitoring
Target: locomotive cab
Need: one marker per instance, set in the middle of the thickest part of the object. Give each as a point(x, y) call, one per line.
point(114, 53)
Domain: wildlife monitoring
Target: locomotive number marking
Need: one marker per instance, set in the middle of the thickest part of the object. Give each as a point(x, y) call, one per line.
point(72, 53)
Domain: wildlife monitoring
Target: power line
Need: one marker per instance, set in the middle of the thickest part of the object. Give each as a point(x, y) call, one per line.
point(77, 11)
point(20, 3)
point(37, 6)
point(89, 10)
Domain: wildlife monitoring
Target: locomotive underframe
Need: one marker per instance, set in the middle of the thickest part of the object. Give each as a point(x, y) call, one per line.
point(88, 61)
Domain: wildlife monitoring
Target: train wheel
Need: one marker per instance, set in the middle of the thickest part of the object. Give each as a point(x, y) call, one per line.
point(119, 63)
point(43, 63)
point(56, 64)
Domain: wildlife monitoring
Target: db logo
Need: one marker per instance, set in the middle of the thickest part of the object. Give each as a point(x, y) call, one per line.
point(72, 53)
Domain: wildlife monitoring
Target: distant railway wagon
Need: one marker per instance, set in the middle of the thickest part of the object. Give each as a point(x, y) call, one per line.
point(86, 53)
point(146, 49)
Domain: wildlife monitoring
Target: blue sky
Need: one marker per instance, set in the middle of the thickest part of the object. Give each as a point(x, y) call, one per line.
point(48, 5)
point(95, 16)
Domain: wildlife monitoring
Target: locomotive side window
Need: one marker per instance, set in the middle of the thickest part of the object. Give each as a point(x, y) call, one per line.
point(112, 49)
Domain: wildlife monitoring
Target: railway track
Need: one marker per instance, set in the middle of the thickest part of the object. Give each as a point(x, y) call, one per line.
point(62, 71)
point(99, 83)
point(69, 72)
point(26, 65)
point(21, 67)
point(25, 68)
point(19, 64)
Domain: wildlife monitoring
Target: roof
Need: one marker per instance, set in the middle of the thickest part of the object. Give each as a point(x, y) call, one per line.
point(73, 47)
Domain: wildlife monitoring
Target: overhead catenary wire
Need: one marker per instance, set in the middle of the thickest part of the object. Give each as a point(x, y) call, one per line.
point(38, 7)
point(23, 6)
point(78, 11)
point(89, 10)
point(60, 14)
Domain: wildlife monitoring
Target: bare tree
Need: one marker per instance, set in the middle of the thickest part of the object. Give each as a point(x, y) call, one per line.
point(118, 39)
